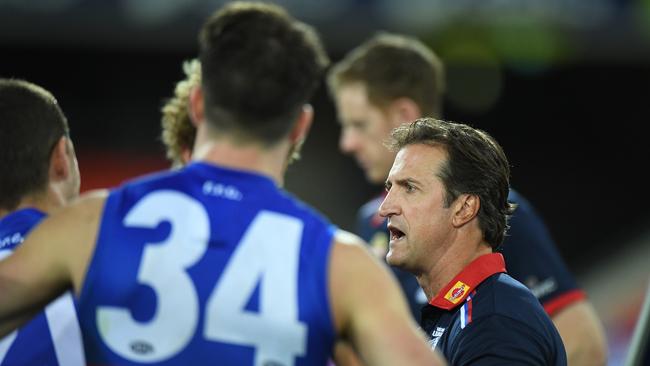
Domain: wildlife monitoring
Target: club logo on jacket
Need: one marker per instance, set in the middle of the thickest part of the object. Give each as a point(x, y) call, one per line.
point(456, 293)
point(435, 337)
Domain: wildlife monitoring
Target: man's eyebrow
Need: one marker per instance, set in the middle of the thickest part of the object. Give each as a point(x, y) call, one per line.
point(405, 181)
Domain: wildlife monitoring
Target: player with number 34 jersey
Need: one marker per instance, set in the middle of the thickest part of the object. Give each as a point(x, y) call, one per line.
point(244, 280)
point(215, 264)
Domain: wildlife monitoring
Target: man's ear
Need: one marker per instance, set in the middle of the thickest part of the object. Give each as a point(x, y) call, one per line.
point(403, 110)
point(186, 155)
point(466, 208)
point(59, 164)
point(196, 106)
point(303, 123)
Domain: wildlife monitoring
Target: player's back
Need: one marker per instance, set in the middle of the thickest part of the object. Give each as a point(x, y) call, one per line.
point(52, 337)
point(207, 265)
point(533, 259)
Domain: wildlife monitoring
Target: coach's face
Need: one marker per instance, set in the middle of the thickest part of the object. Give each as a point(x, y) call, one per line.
point(419, 223)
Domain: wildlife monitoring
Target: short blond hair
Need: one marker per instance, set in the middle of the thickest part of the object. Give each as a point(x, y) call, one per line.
point(178, 132)
point(393, 66)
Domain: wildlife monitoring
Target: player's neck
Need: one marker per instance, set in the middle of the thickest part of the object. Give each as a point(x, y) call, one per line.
point(251, 157)
point(458, 256)
point(47, 202)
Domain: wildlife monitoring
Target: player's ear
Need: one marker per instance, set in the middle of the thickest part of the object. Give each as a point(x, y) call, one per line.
point(403, 110)
point(59, 161)
point(465, 208)
point(197, 107)
point(186, 155)
point(301, 128)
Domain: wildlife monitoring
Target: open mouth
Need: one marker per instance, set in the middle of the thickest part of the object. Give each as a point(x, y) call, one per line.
point(395, 234)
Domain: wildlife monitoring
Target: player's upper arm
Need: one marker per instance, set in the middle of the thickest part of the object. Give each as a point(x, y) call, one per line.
point(52, 258)
point(582, 334)
point(369, 309)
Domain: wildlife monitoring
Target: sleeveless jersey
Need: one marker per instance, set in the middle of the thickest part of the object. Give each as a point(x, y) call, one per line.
point(53, 336)
point(208, 266)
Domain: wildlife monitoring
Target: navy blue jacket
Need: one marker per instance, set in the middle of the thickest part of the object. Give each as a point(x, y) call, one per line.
point(485, 317)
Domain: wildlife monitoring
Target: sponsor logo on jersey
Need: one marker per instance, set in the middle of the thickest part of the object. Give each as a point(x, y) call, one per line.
point(541, 288)
point(455, 294)
point(11, 240)
point(435, 336)
point(141, 347)
point(222, 190)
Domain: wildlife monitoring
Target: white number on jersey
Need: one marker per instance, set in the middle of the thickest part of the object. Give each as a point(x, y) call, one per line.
point(267, 254)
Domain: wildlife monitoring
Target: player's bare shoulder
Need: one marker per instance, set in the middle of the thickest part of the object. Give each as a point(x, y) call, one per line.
point(89, 204)
point(352, 249)
point(354, 275)
point(74, 231)
point(347, 239)
point(350, 254)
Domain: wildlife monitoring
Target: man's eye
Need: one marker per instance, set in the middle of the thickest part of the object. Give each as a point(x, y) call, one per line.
point(409, 187)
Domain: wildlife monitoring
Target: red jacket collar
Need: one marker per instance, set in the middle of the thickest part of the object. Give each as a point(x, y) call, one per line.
point(468, 279)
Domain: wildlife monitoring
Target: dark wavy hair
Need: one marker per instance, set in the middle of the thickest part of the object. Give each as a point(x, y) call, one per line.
point(476, 164)
point(259, 66)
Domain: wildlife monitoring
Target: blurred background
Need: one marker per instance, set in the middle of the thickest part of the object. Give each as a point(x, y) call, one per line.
point(563, 85)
